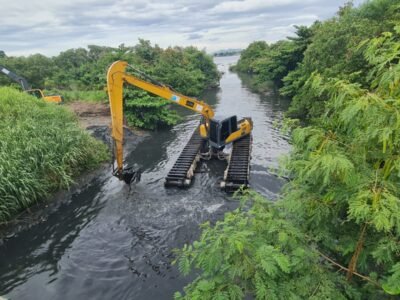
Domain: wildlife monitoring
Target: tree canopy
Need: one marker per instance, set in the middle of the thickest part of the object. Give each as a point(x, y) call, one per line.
point(335, 231)
point(188, 70)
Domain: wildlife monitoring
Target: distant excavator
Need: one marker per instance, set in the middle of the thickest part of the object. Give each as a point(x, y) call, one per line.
point(209, 140)
point(27, 88)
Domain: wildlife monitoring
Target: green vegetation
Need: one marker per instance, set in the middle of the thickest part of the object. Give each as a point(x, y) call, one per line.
point(273, 62)
point(335, 52)
point(79, 95)
point(335, 232)
point(80, 74)
point(258, 251)
point(41, 149)
point(147, 113)
point(250, 56)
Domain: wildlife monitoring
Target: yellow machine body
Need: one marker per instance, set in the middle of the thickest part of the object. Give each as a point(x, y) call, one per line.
point(245, 128)
point(39, 94)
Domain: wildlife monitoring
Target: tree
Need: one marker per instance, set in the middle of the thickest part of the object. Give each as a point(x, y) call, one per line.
point(254, 51)
point(186, 69)
point(35, 68)
point(340, 211)
point(147, 53)
point(334, 53)
point(274, 62)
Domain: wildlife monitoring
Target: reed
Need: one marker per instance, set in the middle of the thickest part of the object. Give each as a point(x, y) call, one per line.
point(42, 148)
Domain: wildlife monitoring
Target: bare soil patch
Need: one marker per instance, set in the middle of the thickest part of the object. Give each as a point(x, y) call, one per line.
point(91, 114)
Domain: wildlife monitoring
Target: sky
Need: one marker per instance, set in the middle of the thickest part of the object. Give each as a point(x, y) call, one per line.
point(51, 26)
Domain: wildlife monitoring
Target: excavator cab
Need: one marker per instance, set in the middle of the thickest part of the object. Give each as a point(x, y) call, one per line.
point(36, 93)
point(220, 129)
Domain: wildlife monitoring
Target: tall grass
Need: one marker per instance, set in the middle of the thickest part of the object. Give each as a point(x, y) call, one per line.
point(41, 149)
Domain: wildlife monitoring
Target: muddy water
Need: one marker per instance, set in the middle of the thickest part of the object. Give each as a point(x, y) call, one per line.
point(105, 242)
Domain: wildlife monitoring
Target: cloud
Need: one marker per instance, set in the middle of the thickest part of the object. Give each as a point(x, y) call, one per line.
point(253, 5)
point(52, 26)
point(195, 36)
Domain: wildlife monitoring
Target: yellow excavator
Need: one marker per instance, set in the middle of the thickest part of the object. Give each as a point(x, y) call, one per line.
point(26, 87)
point(208, 141)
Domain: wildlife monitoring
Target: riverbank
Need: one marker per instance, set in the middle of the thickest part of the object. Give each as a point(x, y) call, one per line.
point(42, 150)
point(39, 212)
point(95, 119)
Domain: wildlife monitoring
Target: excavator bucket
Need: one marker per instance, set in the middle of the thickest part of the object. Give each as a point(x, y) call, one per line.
point(129, 175)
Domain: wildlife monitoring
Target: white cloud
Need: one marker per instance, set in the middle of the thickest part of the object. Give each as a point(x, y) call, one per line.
point(252, 5)
point(51, 26)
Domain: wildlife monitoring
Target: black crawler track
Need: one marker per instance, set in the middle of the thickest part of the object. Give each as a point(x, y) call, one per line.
point(236, 174)
point(183, 170)
point(238, 171)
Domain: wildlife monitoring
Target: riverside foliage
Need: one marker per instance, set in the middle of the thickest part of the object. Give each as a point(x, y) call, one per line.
point(335, 232)
point(41, 149)
point(80, 74)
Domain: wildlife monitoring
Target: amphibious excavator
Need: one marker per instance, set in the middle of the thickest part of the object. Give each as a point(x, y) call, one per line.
point(209, 140)
point(27, 88)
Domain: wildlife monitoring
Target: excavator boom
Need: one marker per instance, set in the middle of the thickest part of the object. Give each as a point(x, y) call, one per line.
point(21, 80)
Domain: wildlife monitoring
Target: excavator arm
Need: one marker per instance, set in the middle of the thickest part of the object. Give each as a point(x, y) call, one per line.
point(19, 79)
point(116, 77)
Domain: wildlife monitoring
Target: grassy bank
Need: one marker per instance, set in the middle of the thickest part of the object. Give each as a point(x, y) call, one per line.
point(41, 149)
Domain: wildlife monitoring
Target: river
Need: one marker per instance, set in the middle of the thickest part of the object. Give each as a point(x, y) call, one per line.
point(106, 242)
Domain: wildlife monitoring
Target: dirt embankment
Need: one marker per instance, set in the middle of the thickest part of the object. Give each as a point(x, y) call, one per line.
point(91, 114)
point(95, 117)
